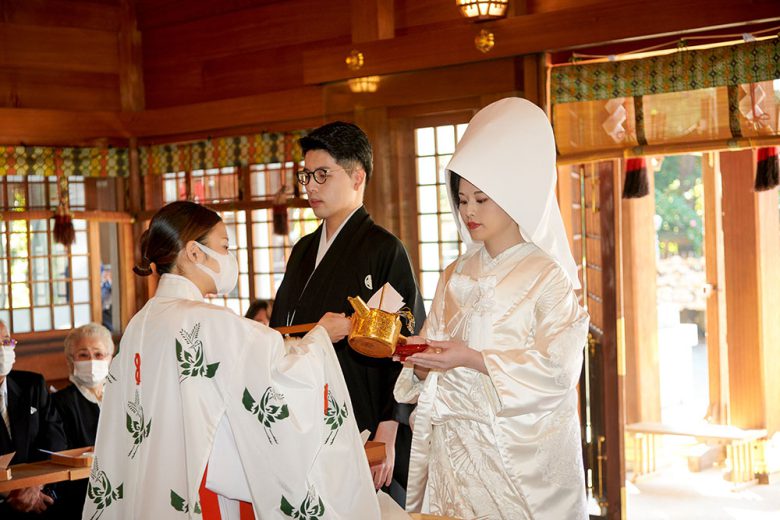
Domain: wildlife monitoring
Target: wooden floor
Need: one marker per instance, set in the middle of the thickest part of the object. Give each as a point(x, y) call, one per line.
point(674, 493)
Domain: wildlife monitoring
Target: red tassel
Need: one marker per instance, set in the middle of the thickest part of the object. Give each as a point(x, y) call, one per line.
point(63, 227)
point(279, 211)
point(767, 169)
point(636, 184)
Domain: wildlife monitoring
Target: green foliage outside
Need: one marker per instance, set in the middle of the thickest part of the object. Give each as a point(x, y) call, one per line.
point(679, 201)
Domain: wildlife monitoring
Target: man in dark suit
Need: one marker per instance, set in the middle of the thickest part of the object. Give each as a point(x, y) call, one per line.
point(28, 423)
point(350, 255)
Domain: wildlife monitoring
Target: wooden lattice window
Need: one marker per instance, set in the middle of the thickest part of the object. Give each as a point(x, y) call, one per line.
point(38, 192)
point(202, 186)
point(439, 243)
point(43, 285)
point(270, 250)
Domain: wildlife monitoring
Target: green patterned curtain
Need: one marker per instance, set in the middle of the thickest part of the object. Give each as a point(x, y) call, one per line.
point(731, 65)
point(40, 160)
point(220, 152)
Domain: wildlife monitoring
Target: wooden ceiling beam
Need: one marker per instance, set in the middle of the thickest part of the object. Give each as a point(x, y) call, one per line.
point(32, 126)
point(372, 20)
point(301, 103)
point(568, 28)
point(72, 128)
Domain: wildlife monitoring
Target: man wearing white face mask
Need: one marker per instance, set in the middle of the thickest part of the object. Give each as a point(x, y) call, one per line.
point(28, 423)
point(88, 352)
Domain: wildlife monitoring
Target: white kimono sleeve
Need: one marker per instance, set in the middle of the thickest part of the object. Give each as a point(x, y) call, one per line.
point(540, 374)
point(295, 431)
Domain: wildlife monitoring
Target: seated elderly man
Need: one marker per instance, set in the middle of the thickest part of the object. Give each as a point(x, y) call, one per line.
point(88, 352)
point(28, 423)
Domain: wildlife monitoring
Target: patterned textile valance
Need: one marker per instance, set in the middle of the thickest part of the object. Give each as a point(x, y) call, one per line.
point(220, 152)
point(732, 65)
point(723, 97)
point(40, 160)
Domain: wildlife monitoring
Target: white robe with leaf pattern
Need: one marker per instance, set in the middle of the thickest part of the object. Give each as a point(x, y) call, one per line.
point(183, 367)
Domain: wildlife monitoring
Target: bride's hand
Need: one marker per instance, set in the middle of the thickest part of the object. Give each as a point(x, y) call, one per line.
point(444, 355)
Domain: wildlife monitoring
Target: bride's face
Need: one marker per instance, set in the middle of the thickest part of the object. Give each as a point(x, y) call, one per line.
point(484, 218)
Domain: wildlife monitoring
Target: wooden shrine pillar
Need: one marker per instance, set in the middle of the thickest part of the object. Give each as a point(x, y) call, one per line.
point(751, 230)
point(717, 344)
point(640, 309)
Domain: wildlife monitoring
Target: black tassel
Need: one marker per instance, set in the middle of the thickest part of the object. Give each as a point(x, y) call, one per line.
point(636, 184)
point(767, 169)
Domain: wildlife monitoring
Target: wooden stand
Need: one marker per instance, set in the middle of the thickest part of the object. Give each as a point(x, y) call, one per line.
point(64, 465)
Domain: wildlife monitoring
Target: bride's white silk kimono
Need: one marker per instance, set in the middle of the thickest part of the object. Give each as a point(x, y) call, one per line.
point(184, 368)
point(507, 444)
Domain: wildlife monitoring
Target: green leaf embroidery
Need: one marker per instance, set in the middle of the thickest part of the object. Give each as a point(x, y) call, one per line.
point(311, 508)
point(180, 504)
point(334, 417)
point(190, 357)
point(286, 507)
point(135, 424)
point(100, 491)
point(266, 412)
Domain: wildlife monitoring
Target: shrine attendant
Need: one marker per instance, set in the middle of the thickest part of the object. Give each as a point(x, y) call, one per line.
point(194, 385)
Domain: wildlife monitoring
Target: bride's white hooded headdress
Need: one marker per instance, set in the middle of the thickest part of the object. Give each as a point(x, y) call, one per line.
point(508, 152)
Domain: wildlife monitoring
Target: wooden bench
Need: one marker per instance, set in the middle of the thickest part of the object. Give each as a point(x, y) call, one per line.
point(740, 446)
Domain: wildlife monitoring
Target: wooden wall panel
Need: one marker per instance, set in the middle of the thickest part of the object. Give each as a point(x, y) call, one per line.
point(474, 79)
point(416, 15)
point(225, 77)
point(58, 48)
point(87, 14)
point(238, 53)
point(25, 88)
point(266, 27)
point(59, 54)
point(156, 13)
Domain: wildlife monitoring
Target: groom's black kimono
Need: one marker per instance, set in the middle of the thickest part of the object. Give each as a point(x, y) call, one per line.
point(362, 258)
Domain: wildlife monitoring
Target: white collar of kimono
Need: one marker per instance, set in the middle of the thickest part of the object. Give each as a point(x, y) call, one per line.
point(324, 242)
point(508, 152)
point(176, 286)
point(89, 396)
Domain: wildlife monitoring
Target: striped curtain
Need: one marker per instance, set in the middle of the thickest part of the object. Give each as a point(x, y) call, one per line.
point(40, 160)
point(220, 152)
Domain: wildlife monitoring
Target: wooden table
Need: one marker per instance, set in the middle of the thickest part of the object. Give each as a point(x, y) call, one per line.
point(740, 445)
point(40, 473)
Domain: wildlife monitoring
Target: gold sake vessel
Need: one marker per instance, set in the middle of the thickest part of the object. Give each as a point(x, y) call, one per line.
point(375, 332)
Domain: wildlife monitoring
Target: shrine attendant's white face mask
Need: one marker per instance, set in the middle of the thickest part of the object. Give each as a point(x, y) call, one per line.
point(7, 359)
point(90, 373)
point(227, 277)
